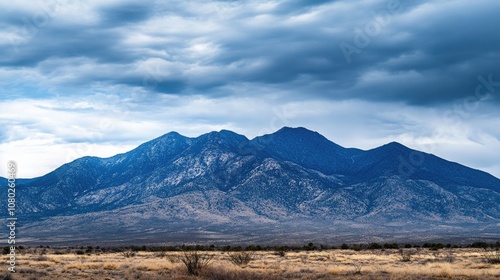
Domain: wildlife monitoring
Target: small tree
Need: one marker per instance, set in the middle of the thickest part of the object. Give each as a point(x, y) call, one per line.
point(195, 262)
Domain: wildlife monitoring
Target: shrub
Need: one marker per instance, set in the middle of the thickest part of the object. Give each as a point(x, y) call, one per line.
point(391, 246)
point(304, 258)
point(357, 268)
point(195, 262)
point(483, 245)
point(310, 247)
point(356, 248)
point(433, 246)
point(241, 258)
point(281, 253)
point(492, 257)
point(6, 276)
point(374, 246)
point(405, 256)
point(129, 254)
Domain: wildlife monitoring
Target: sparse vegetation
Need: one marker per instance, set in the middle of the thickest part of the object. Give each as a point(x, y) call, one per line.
point(405, 255)
point(281, 253)
point(241, 258)
point(357, 267)
point(492, 256)
point(196, 262)
point(299, 264)
point(6, 276)
point(129, 254)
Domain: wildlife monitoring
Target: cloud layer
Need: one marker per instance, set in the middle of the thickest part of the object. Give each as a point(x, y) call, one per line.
point(115, 73)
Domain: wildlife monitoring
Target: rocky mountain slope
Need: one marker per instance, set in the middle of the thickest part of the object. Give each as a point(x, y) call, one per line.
point(223, 187)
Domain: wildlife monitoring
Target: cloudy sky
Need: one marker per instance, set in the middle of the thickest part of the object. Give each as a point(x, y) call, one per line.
point(100, 77)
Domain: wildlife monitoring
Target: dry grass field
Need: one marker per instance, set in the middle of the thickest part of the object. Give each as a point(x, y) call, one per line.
point(330, 264)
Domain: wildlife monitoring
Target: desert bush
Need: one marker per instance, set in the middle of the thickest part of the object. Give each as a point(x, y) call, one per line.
point(6, 276)
point(281, 253)
point(374, 246)
point(241, 258)
point(357, 268)
point(196, 262)
point(129, 254)
point(304, 258)
point(433, 246)
point(391, 246)
point(356, 247)
point(492, 256)
point(310, 247)
point(482, 245)
point(405, 255)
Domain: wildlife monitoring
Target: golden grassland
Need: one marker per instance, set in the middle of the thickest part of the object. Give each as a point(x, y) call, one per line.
point(328, 264)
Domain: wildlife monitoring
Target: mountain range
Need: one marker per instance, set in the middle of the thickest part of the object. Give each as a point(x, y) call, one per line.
point(290, 186)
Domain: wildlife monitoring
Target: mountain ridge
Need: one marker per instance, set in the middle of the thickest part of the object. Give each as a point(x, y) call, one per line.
point(229, 183)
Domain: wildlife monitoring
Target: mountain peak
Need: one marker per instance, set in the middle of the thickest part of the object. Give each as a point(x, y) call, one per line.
point(173, 134)
point(224, 134)
point(395, 146)
point(305, 147)
point(295, 130)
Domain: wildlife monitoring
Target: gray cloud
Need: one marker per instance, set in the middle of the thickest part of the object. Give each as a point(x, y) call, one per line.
point(165, 60)
point(440, 47)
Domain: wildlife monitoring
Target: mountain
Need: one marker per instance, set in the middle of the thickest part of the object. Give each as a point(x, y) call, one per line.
point(223, 187)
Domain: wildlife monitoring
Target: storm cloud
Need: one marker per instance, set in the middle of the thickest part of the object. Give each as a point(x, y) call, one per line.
point(374, 70)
